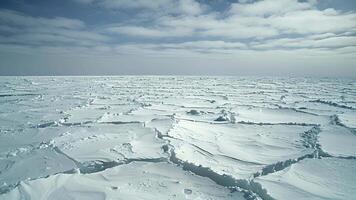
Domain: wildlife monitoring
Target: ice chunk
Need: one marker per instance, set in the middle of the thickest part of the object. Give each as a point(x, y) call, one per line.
point(338, 141)
point(267, 115)
point(31, 163)
point(348, 119)
point(237, 149)
point(109, 142)
point(327, 178)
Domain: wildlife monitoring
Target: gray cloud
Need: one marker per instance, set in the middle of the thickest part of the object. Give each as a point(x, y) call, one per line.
point(259, 20)
point(27, 30)
point(264, 31)
point(13, 18)
point(189, 7)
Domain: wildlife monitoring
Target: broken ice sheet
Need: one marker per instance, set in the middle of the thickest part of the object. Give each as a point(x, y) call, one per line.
point(125, 126)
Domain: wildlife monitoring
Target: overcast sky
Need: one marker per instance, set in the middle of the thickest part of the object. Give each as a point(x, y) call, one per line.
point(184, 37)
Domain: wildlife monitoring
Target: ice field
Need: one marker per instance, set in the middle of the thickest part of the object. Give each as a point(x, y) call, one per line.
point(153, 137)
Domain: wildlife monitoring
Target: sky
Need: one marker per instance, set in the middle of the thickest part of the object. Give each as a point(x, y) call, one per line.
point(178, 37)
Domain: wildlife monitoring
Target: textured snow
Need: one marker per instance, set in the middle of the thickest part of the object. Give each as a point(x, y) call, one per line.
point(153, 137)
point(338, 141)
point(326, 178)
point(348, 119)
point(110, 143)
point(280, 115)
point(235, 149)
point(132, 181)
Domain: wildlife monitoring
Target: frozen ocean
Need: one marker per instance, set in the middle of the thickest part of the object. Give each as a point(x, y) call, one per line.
point(176, 137)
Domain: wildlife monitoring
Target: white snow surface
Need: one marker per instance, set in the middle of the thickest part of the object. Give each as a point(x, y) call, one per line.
point(176, 137)
point(327, 178)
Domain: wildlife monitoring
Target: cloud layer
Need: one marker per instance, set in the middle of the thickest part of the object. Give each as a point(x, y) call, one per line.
point(188, 28)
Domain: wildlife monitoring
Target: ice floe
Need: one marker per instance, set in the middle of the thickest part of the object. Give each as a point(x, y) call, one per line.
point(327, 178)
point(137, 180)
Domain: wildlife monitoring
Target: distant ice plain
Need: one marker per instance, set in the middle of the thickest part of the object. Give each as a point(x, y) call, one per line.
point(175, 137)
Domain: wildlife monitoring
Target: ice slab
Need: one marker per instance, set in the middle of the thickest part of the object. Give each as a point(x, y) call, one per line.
point(327, 178)
point(111, 118)
point(137, 180)
point(238, 150)
point(348, 119)
point(317, 108)
point(268, 115)
point(338, 141)
point(163, 126)
point(191, 102)
point(31, 163)
point(162, 110)
point(107, 142)
point(93, 113)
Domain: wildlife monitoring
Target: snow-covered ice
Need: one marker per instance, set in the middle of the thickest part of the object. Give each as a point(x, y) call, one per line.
point(238, 150)
point(175, 137)
point(327, 178)
point(137, 180)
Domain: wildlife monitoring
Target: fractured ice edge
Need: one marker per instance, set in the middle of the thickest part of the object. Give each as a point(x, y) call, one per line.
point(153, 137)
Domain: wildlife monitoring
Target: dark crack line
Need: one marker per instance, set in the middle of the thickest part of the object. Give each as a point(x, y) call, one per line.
point(295, 110)
point(250, 189)
point(8, 188)
point(98, 166)
point(335, 120)
point(281, 165)
point(332, 104)
point(121, 122)
point(276, 124)
point(222, 180)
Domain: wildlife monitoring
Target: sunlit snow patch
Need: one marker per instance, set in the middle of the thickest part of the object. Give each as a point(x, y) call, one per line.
point(137, 180)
